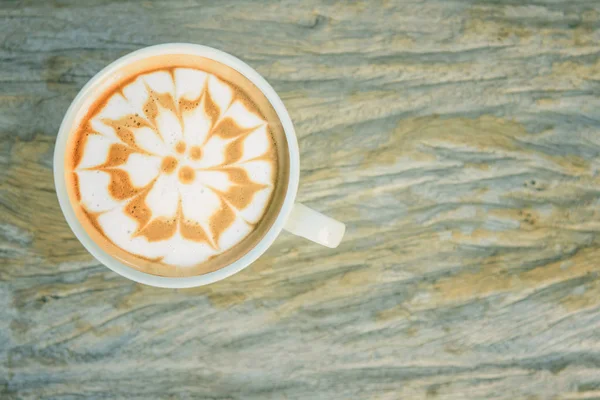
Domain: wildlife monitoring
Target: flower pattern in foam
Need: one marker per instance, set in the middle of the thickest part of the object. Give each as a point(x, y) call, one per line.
point(167, 163)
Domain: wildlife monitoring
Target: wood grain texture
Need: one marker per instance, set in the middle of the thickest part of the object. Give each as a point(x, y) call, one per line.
point(458, 140)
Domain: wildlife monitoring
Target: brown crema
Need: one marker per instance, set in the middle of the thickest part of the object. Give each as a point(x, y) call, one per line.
point(121, 188)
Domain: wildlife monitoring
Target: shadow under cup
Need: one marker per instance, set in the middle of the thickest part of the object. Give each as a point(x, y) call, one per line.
point(95, 97)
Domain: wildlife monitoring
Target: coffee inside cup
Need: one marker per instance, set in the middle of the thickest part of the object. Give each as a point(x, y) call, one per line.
point(177, 166)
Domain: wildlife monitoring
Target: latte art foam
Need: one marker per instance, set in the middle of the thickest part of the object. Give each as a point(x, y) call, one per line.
point(175, 167)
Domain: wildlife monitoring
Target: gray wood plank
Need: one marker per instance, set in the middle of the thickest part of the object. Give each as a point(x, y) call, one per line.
point(458, 140)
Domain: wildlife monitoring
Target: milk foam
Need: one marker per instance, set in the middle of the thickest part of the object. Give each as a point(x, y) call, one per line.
point(160, 180)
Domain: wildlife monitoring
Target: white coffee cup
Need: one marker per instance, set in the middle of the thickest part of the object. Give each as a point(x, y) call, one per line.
point(293, 217)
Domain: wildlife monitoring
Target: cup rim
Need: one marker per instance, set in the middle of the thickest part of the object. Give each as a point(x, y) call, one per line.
point(132, 273)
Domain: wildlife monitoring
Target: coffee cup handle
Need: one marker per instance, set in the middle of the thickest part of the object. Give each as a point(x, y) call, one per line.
point(313, 225)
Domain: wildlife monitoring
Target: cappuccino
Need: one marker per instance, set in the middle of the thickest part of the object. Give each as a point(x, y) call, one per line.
point(178, 167)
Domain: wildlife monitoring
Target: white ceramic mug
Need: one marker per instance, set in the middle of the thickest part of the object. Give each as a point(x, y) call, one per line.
point(293, 217)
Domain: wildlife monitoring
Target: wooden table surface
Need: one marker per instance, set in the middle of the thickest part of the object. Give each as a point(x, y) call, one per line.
point(458, 140)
